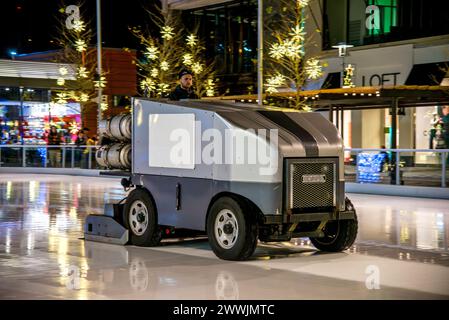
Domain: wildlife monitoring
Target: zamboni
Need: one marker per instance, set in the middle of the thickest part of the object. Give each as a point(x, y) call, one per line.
point(238, 172)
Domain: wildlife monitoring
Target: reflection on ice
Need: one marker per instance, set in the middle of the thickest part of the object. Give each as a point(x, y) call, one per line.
point(41, 223)
point(402, 222)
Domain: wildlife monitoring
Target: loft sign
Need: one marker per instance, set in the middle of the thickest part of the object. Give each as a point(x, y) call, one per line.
point(374, 80)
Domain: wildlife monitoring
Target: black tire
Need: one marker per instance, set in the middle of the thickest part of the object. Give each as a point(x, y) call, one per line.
point(245, 242)
point(150, 235)
point(339, 235)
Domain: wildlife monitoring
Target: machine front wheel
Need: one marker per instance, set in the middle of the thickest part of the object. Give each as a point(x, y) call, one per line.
point(231, 229)
point(140, 218)
point(338, 235)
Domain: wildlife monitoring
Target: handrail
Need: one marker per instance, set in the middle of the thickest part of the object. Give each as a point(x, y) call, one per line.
point(21, 160)
point(396, 160)
point(57, 160)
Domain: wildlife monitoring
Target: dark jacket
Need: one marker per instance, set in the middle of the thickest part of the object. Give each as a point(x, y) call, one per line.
point(54, 139)
point(180, 93)
point(81, 141)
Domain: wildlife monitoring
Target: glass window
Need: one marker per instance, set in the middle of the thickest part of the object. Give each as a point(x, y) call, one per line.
point(230, 34)
point(362, 22)
point(28, 114)
point(387, 16)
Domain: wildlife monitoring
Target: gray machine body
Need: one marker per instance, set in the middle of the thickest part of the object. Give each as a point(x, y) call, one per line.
point(183, 194)
point(106, 227)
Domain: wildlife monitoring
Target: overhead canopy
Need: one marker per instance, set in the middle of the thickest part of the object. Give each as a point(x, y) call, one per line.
point(33, 74)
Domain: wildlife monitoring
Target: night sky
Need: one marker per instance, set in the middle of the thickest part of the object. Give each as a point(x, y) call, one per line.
point(29, 25)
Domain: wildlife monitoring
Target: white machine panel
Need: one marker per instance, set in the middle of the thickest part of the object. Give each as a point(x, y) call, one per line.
point(172, 140)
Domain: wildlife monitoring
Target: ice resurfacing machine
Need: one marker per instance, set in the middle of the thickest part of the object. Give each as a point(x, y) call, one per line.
point(187, 171)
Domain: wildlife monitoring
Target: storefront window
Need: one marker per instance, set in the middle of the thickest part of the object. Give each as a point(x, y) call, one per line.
point(27, 114)
point(230, 34)
point(384, 16)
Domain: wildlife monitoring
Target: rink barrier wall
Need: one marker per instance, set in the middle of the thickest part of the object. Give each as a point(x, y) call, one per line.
point(399, 191)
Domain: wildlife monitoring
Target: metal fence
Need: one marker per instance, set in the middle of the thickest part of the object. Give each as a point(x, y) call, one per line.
point(46, 156)
point(414, 167)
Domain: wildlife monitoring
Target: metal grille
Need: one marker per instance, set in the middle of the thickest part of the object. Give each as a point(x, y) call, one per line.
point(312, 184)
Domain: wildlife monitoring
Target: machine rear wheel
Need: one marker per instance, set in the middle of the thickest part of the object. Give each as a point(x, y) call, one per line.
point(231, 229)
point(339, 235)
point(140, 218)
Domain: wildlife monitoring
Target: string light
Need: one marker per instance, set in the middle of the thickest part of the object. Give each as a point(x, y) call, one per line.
point(192, 40)
point(187, 59)
point(210, 88)
point(154, 72)
point(293, 49)
point(298, 33)
point(60, 81)
point(164, 65)
point(163, 88)
point(101, 83)
point(152, 52)
point(302, 3)
point(277, 51)
point(61, 98)
point(167, 33)
point(78, 26)
point(84, 97)
point(290, 48)
point(348, 75)
point(313, 69)
point(73, 127)
point(80, 45)
point(82, 72)
point(197, 67)
point(148, 84)
point(72, 95)
point(274, 82)
point(104, 106)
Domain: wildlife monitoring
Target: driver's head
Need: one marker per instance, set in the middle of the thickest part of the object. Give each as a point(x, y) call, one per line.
point(186, 79)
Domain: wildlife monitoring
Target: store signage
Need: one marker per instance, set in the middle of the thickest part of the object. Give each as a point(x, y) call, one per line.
point(374, 80)
point(389, 66)
point(57, 110)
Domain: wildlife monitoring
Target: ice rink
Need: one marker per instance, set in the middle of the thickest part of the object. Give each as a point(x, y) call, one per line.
point(401, 252)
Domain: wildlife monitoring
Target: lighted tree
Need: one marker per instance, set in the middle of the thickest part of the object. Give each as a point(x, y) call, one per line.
point(166, 50)
point(286, 61)
point(160, 62)
point(75, 38)
point(193, 58)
